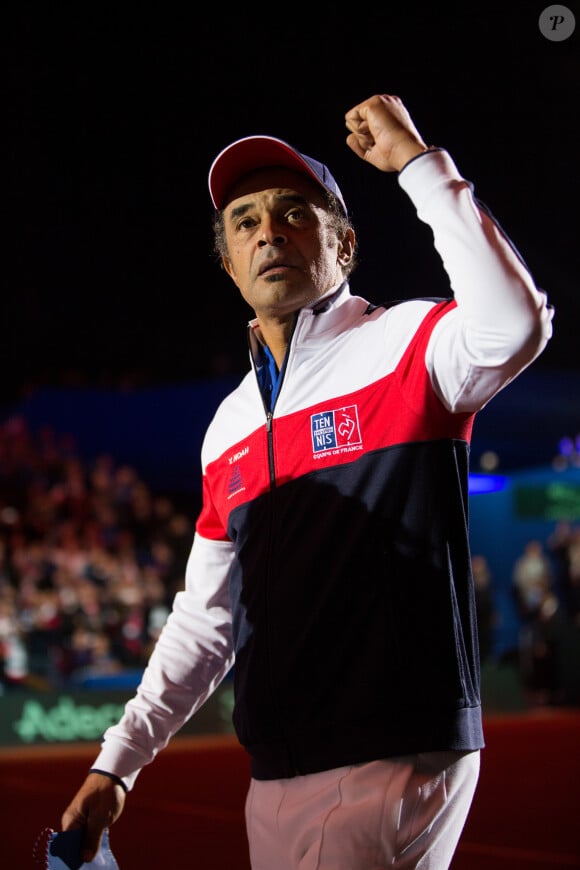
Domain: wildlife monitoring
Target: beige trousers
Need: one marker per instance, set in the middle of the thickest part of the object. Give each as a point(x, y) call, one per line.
point(405, 813)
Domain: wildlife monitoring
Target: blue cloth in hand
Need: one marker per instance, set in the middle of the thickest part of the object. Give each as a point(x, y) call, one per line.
point(63, 852)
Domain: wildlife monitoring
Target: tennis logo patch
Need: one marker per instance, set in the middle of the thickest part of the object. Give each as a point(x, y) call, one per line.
point(336, 431)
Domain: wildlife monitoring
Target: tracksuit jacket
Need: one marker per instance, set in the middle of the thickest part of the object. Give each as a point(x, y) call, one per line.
point(331, 557)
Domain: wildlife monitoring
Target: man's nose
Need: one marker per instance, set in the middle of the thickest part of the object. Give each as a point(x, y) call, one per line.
point(271, 234)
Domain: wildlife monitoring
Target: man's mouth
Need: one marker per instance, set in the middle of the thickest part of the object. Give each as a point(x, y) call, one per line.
point(272, 265)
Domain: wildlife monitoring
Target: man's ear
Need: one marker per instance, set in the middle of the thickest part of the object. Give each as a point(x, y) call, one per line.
point(227, 265)
point(346, 247)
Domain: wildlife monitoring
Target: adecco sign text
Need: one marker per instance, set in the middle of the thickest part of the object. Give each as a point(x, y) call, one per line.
point(64, 722)
point(31, 718)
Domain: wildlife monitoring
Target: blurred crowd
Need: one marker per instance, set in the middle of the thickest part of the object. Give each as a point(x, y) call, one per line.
point(90, 560)
point(546, 589)
point(544, 592)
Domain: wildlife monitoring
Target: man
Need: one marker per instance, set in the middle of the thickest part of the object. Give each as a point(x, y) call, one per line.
point(331, 556)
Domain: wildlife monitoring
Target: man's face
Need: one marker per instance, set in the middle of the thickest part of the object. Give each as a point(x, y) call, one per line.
point(283, 252)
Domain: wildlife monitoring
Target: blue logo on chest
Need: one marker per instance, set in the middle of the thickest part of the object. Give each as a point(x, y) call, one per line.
point(334, 429)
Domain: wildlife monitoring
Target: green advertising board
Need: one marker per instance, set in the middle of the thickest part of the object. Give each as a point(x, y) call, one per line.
point(33, 718)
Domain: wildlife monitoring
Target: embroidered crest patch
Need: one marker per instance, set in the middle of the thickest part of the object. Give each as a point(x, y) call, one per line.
point(335, 429)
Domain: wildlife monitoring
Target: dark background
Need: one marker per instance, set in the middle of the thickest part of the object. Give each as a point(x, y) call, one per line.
point(114, 114)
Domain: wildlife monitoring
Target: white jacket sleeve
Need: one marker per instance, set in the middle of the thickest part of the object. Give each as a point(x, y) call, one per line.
point(502, 321)
point(192, 656)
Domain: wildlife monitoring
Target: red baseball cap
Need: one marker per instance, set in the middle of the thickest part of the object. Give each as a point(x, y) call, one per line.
point(257, 152)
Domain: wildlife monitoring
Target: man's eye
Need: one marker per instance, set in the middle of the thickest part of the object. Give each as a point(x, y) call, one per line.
point(297, 214)
point(245, 224)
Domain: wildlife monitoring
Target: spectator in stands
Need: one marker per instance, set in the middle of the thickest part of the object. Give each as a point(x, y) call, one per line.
point(542, 623)
point(564, 545)
point(532, 579)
